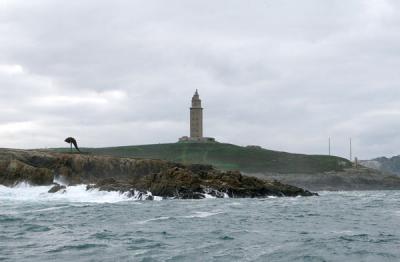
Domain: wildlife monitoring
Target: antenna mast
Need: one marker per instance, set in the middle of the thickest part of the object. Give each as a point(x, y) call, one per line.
point(351, 152)
point(329, 143)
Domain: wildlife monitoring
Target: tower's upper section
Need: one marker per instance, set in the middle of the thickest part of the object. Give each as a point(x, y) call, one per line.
point(196, 102)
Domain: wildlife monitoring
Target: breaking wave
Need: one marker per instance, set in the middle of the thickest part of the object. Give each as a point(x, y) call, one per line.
point(78, 193)
point(194, 215)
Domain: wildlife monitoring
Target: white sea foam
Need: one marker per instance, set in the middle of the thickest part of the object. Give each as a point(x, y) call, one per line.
point(61, 180)
point(209, 196)
point(78, 193)
point(212, 193)
point(157, 198)
point(342, 232)
point(153, 219)
point(202, 214)
point(194, 215)
point(48, 209)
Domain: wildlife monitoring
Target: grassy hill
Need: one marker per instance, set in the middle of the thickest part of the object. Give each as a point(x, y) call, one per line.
point(229, 157)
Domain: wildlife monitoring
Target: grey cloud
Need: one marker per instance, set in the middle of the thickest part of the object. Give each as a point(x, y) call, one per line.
point(282, 74)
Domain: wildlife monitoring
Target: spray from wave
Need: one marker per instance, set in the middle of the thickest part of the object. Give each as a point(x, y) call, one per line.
point(78, 193)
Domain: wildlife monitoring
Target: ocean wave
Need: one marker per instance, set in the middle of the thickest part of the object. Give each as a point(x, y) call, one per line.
point(202, 214)
point(48, 209)
point(198, 214)
point(153, 219)
point(78, 247)
point(78, 193)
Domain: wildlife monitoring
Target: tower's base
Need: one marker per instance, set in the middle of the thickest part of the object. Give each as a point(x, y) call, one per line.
point(197, 139)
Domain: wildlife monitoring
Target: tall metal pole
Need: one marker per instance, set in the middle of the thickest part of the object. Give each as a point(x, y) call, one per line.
point(351, 151)
point(329, 141)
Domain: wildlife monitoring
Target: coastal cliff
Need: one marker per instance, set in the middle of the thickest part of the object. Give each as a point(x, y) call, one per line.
point(161, 178)
point(312, 172)
point(389, 165)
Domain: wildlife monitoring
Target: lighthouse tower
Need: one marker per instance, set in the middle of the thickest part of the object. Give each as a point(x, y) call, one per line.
point(196, 117)
point(196, 122)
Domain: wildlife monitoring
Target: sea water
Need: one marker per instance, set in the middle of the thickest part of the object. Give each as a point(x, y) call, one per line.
point(81, 225)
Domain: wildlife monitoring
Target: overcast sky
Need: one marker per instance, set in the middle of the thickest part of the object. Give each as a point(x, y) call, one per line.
point(283, 74)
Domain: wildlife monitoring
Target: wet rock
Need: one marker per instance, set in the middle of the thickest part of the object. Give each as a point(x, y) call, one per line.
point(140, 195)
point(182, 183)
point(57, 188)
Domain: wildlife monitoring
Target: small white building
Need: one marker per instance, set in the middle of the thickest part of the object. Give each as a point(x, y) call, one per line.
point(196, 122)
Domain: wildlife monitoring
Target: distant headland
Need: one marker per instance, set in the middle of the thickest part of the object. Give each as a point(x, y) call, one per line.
point(312, 172)
point(192, 168)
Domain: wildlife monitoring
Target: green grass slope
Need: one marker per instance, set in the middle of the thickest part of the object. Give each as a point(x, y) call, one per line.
point(229, 157)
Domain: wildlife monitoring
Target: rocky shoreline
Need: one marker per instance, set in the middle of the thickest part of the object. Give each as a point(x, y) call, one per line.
point(135, 176)
point(350, 179)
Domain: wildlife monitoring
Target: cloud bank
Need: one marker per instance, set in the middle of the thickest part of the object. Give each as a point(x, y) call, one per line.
point(285, 75)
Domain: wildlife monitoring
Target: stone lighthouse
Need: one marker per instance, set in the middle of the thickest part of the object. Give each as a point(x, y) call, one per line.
point(196, 122)
point(196, 117)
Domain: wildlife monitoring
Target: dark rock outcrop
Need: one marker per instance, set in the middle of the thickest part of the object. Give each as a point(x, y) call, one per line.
point(57, 188)
point(182, 183)
point(135, 176)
